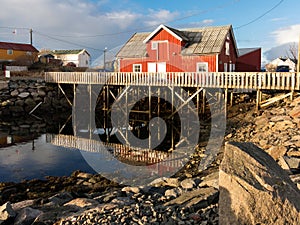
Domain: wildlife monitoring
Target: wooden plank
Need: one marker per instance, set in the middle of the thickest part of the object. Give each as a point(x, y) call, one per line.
point(274, 99)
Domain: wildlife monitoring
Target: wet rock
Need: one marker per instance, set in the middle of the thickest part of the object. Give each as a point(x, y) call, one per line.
point(253, 188)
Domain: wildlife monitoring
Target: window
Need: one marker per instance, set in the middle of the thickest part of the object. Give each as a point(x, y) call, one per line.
point(10, 52)
point(227, 50)
point(137, 68)
point(29, 53)
point(231, 67)
point(225, 67)
point(202, 67)
point(154, 45)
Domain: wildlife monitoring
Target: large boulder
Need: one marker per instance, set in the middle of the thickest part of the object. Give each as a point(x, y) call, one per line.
point(254, 189)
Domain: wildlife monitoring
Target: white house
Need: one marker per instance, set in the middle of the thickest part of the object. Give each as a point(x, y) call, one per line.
point(80, 57)
point(284, 62)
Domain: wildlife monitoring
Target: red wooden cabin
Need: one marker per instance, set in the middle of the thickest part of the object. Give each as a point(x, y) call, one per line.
point(207, 49)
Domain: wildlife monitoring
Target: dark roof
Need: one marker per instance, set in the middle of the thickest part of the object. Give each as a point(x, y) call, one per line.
point(244, 51)
point(206, 40)
point(18, 47)
point(68, 52)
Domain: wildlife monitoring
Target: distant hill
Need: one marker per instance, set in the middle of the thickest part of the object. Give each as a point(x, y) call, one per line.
point(280, 51)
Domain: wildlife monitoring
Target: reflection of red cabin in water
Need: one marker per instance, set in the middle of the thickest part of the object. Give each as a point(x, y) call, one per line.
point(211, 49)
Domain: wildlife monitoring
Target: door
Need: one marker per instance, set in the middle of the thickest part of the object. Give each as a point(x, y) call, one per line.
point(151, 67)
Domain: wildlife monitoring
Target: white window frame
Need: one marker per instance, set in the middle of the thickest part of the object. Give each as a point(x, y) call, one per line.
point(10, 52)
point(154, 45)
point(134, 68)
point(227, 48)
point(202, 64)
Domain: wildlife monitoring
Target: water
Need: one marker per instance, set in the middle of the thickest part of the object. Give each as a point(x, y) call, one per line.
point(35, 159)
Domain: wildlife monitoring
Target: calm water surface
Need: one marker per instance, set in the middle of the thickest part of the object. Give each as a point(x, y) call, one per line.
point(37, 159)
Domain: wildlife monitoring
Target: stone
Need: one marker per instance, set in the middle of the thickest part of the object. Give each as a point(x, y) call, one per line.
point(254, 189)
point(30, 102)
point(171, 193)
point(211, 180)
point(82, 202)
point(202, 194)
point(187, 184)
point(165, 182)
point(61, 198)
point(41, 93)
point(23, 204)
point(6, 212)
point(83, 175)
point(295, 112)
point(277, 151)
point(280, 118)
point(26, 216)
point(134, 190)
point(24, 94)
point(14, 93)
point(293, 162)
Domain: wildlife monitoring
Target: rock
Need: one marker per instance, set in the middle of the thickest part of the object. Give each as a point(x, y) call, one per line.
point(279, 118)
point(82, 202)
point(23, 204)
point(83, 175)
point(171, 193)
point(202, 194)
point(61, 198)
point(293, 163)
point(26, 216)
point(24, 94)
point(165, 182)
point(29, 101)
point(211, 180)
point(134, 190)
point(14, 93)
point(254, 189)
point(277, 151)
point(295, 112)
point(187, 184)
point(6, 212)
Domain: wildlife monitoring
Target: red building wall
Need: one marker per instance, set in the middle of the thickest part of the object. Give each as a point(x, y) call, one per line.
point(250, 62)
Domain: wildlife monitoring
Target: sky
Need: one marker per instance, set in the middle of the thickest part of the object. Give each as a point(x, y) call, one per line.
point(99, 24)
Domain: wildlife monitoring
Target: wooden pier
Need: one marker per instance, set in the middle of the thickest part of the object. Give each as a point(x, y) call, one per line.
point(228, 82)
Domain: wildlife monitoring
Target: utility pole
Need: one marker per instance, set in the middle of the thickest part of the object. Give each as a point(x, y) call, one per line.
point(30, 32)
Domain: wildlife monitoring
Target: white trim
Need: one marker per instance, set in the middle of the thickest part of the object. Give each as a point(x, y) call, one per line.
point(157, 29)
point(217, 63)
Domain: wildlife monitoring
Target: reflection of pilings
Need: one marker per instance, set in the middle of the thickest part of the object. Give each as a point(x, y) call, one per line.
point(117, 150)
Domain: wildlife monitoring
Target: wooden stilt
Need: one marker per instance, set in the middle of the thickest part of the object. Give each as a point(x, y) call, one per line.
point(258, 99)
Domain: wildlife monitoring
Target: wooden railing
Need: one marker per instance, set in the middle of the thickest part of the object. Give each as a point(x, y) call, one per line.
point(232, 80)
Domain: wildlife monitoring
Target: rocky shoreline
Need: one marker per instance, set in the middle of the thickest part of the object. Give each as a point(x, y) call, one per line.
point(190, 197)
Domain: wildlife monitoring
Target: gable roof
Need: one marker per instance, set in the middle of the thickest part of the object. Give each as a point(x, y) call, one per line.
point(69, 52)
point(176, 33)
point(244, 51)
point(17, 47)
point(205, 40)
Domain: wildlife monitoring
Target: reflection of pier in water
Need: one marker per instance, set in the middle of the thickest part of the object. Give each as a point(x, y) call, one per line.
point(119, 151)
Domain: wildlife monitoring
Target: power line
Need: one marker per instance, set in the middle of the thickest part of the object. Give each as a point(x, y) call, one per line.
point(259, 17)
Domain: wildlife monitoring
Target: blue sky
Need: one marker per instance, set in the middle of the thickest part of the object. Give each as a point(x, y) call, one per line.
point(96, 24)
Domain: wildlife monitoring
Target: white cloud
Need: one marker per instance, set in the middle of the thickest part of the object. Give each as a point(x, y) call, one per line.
point(287, 34)
point(157, 17)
